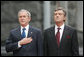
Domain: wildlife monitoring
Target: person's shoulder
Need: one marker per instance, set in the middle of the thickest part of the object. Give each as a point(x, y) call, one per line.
point(50, 29)
point(15, 29)
point(35, 29)
point(70, 28)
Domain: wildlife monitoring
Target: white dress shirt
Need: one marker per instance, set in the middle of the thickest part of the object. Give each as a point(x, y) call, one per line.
point(26, 31)
point(61, 30)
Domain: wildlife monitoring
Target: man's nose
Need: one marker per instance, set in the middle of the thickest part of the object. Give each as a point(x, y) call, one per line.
point(57, 15)
point(22, 18)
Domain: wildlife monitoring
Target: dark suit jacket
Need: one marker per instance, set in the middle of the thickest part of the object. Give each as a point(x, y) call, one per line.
point(68, 45)
point(35, 48)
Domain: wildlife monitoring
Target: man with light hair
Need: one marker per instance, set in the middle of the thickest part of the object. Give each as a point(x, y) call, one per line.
point(25, 40)
point(28, 13)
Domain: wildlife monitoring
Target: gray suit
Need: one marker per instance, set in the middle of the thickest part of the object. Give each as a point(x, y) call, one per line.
point(68, 45)
point(35, 48)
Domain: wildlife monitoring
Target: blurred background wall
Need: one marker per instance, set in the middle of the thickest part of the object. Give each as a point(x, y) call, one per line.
point(42, 17)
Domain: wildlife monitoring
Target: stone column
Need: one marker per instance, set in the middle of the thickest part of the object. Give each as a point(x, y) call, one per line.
point(46, 13)
point(65, 5)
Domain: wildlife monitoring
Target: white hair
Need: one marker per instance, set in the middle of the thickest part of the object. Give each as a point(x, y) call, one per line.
point(28, 13)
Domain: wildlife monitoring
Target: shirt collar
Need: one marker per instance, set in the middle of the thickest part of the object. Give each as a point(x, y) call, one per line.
point(62, 27)
point(27, 27)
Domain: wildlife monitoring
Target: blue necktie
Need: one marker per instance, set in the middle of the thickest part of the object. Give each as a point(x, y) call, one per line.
point(23, 33)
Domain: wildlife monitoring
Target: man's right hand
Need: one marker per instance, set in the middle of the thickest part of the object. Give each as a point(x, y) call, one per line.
point(25, 41)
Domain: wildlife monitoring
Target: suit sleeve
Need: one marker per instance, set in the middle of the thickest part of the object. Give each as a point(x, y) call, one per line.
point(45, 47)
point(40, 43)
point(75, 46)
point(10, 45)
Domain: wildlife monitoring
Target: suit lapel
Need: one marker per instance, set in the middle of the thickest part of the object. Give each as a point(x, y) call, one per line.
point(30, 32)
point(18, 33)
point(64, 35)
point(53, 35)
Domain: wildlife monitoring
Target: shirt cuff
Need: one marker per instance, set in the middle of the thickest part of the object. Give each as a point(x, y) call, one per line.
point(19, 45)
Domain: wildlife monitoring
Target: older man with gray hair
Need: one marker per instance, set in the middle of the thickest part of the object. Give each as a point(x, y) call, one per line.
point(25, 40)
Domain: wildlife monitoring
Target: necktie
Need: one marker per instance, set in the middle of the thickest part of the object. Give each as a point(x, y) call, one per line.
point(23, 33)
point(58, 36)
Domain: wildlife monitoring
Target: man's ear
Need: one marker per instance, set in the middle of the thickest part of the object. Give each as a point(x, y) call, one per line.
point(29, 18)
point(64, 18)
